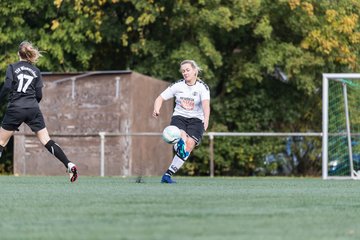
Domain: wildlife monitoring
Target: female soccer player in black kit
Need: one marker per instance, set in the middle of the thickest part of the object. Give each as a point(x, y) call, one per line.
point(24, 84)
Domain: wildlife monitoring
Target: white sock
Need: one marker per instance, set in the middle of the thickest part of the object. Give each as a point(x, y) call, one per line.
point(70, 165)
point(176, 164)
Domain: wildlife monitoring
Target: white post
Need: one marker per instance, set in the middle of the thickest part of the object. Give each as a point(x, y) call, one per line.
point(102, 153)
point(325, 127)
point(211, 150)
point(325, 133)
point(117, 88)
point(347, 118)
point(73, 87)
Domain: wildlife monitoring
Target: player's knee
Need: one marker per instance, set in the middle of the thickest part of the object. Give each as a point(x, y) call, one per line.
point(3, 143)
point(190, 144)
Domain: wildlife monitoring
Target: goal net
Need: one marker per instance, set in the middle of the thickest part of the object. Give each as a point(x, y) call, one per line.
point(341, 126)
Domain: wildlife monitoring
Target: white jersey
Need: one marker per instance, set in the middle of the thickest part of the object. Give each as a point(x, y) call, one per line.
point(188, 99)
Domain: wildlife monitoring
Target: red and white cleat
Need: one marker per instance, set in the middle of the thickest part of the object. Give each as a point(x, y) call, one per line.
point(73, 173)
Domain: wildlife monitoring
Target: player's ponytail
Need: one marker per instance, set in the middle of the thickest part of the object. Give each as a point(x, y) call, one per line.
point(28, 52)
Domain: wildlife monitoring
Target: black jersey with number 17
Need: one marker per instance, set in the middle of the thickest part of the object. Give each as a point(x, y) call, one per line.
point(23, 78)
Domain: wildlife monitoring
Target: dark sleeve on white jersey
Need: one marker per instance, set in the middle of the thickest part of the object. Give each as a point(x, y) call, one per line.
point(7, 84)
point(167, 93)
point(205, 93)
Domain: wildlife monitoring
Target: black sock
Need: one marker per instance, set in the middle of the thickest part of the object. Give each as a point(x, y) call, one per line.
point(56, 150)
point(169, 172)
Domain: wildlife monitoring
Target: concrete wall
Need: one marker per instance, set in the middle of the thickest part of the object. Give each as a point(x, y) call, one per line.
point(76, 111)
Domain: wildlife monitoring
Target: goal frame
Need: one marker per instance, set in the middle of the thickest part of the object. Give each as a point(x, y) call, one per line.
point(325, 121)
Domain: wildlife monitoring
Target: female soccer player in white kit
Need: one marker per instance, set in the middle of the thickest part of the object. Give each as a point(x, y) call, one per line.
point(191, 113)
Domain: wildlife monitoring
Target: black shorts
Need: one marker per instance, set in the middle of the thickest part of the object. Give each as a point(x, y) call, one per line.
point(14, 117)
point(194, 127)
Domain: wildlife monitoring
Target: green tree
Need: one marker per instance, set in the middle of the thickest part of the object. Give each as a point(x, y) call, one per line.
point(237, 43)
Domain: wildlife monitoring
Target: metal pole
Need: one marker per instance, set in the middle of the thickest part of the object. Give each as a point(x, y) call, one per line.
point(265, 134)
point(73, 87)
point(117, 88)
point(211, 150)
point(102, 153)
point(325, 113)
point(348, 129)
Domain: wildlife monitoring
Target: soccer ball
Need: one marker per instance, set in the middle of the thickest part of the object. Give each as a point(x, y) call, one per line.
point(171, 134)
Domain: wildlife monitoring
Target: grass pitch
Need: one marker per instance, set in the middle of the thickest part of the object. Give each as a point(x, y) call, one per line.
point(194, 208)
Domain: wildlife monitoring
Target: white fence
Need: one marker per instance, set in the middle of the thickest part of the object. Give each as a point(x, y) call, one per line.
point(210, 135)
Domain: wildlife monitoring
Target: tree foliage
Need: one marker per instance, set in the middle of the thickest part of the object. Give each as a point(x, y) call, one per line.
point(237, 43)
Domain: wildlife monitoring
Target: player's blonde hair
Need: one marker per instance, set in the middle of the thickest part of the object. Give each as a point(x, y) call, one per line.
point(28, 52)
point(193, 65)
